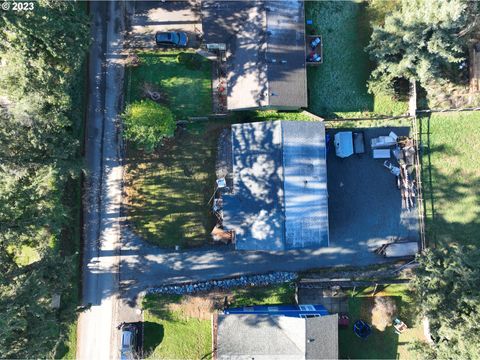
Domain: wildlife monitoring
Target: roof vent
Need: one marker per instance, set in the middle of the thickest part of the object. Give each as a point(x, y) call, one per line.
point(283, 61)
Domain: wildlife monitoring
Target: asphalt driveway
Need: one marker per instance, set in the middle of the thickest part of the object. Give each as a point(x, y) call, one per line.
point(150, 17)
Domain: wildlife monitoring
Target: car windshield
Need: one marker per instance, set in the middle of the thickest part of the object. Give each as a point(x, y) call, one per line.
point(174, 37)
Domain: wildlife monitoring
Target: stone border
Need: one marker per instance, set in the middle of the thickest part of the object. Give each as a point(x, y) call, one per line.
point(241, 281)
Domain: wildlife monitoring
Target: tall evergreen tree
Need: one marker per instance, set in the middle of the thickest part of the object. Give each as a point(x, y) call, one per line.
point(447, 292)
point(418, 41)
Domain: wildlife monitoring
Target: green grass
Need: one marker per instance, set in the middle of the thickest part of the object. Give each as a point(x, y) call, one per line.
point(172, 334)
point(451, 177)
point(377, 123)
point(338, 87)
point(169, 189)
point(380, 344)
point(71, 342)
point(187, 91)
point(24, 255)
point(278, 294)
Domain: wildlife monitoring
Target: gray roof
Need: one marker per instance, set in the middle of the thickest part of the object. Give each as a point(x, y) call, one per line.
point(279, 198)
point(322, 337)
point(247, 336)
point(266, 51)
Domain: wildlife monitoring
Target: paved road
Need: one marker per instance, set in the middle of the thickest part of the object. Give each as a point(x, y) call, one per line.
point(97, 335)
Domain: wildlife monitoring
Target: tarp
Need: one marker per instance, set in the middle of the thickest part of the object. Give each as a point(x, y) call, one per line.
point(343, 144)
point(401, 249)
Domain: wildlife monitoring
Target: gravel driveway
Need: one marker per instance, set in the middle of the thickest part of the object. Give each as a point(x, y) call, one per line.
point(150, 17)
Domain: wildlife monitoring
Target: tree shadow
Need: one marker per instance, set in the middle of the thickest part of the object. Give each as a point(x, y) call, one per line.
point(443, 191)
point(153, 334)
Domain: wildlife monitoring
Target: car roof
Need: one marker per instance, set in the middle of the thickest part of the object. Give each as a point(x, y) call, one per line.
point(166, 36)
point(126, 338)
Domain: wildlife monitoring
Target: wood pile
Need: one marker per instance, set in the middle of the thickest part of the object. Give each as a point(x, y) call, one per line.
point(405, 155)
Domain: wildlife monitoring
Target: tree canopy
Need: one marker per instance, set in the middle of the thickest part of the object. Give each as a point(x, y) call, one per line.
point(447, 292)
point(41, 54)
point(148, 123)
point(418, 40)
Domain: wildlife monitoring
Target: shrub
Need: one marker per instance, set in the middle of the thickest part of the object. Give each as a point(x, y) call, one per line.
point(147, 124)
point(190, 60)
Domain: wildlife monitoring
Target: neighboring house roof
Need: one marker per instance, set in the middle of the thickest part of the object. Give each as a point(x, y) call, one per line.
point(322, 337)
point(276, 337)
point(279, 198)
point(266, 51)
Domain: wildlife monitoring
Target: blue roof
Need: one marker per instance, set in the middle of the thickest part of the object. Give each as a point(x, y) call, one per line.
point(280, 310)
point(279, 198)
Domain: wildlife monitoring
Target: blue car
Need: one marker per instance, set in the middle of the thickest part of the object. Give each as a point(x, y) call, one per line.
point(171, 39)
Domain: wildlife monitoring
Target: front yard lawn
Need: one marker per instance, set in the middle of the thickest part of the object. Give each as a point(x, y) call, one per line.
point(171, 333)
point(186, 91)
point(451, 177)
point(338, 87)
point(168, 189)
point(380, 344)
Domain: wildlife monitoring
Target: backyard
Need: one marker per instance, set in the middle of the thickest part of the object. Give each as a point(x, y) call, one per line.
point(338, 87)
point(382, 343)
point(451, 177)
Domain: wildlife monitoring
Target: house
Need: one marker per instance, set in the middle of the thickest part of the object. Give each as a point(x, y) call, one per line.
point(254, 336)
point(264, 48)
point(278, 196)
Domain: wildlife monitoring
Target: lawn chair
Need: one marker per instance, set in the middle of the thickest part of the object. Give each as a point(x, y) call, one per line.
point(399, 326)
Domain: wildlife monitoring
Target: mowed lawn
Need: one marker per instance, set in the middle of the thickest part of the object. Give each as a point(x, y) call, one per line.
point(187, 91)
point(380, 344)
point(168, 190)
point(451, 177)
point(338, 87)
point(171, 334)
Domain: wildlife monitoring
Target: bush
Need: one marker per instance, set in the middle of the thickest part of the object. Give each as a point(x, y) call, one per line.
point(147, 124)
point(190, 60)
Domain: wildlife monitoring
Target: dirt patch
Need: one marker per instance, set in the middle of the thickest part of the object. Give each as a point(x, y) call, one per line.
point(201, 306)
point(378, 311)
point(383, 312)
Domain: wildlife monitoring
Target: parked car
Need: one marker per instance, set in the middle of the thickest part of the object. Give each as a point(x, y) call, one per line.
point(171, 39)
point(128, 350)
